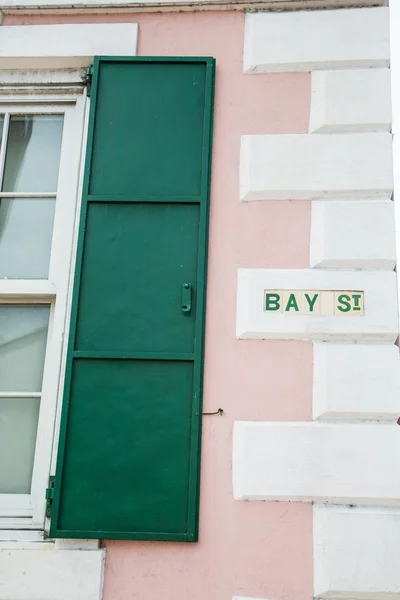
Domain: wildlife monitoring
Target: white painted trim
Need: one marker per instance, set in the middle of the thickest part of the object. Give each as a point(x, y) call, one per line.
point(53, 291)
point(50, 46)
point(20, 394)
point(61, 254)
point(65, 6)
point(244, 598)
point(28, 194)
point(80, 156)
point(9, 524)
point(24, 95)
point(38, 288)
point(43, 78)
point(394, 7)
point(32, 106)
point(76, 544)
point(58, 86)
point(19, 538)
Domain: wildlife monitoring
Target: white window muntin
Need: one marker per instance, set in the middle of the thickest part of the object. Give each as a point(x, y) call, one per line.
point(27, 510)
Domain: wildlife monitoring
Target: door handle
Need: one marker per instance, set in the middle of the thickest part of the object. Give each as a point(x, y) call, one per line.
point(186, 297)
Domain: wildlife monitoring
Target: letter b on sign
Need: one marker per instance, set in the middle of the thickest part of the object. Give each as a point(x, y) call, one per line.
point(272, 302)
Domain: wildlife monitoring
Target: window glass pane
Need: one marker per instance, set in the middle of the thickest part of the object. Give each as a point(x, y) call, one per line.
point(23, 335)
point(18, 427)
point(26, 229)
point(33, 153)
point(1, 127)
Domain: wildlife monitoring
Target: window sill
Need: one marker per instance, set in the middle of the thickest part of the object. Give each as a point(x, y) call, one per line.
point(16, 538)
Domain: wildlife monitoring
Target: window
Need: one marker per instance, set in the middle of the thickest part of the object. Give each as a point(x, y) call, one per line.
point(133, 371)
point(39, 169)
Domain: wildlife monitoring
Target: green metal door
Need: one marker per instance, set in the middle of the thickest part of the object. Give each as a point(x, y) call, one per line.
point(129, 452)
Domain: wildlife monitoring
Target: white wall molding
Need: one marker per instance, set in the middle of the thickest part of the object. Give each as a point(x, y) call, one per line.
point(321, 462)
point(352, 100)
point(356, 553)
point(46, 85)
point(318, 166)
point(356, 381)
point(76, 544)
point(66, 6)
point(352, 38)
point(244, 598)
point(353, 235)
point(64, 46)
point(379, 323)
point(42, 572)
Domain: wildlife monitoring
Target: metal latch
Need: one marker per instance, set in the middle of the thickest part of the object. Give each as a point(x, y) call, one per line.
point(88, 80)
point(50, 496)
point(186, 297)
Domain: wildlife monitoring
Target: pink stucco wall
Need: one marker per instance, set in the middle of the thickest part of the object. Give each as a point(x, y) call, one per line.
point(254, 549)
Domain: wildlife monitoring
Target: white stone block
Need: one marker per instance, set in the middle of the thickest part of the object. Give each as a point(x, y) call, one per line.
point(353, 235)
point(356, 553)
point(356, 381)
point(379, 322)
point(245, 598)
point(309, 40)
point(314, 167)
point(44, 573)
point(317, 462)
point(62, 46)
point(352, 100)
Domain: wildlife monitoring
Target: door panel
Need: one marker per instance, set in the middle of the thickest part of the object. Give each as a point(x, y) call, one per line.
point(146, 405)
point(162, 108)
point(137, 258)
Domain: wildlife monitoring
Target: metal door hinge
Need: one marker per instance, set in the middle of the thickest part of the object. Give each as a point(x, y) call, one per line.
point(88, 80)
point(50, 496)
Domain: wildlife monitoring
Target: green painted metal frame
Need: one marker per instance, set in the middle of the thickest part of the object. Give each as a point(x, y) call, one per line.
point(204, 201)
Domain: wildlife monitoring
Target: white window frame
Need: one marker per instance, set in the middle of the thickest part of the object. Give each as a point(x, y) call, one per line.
point(27, 511)
point(394, 12)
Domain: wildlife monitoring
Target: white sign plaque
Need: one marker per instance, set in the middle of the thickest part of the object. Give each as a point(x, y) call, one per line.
point(315, 302)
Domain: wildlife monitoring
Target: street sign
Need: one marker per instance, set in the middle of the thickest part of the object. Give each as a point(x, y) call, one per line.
point(315, 302)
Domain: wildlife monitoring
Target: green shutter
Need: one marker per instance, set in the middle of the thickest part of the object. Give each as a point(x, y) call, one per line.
point(129, 452)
